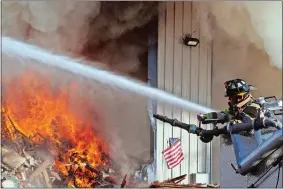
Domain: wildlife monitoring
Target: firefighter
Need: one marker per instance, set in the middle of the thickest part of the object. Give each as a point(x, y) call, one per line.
point(242, 105)
point(243, 108)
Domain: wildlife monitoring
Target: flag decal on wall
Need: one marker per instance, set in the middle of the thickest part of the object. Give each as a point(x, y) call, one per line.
point(173, 155)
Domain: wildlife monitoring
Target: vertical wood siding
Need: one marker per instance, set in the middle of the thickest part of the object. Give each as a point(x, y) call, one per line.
point(185, 72)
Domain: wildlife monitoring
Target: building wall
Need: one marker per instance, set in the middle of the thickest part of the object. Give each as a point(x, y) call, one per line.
point(185, 72)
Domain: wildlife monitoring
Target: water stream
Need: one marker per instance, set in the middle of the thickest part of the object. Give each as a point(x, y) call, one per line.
point(14, 48)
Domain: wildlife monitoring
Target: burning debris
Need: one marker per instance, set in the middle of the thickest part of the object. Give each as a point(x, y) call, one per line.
point(23, 166)
point(18, 172)
point(45, 142)
point(174, 183)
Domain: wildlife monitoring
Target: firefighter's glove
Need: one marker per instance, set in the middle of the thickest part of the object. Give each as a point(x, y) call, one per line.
point(259, 122)
point(197, 131)
point(270, 122)
point(263, 121)
point(225, 118)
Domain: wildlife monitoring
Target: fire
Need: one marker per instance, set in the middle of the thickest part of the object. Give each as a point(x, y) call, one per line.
point(41, 112)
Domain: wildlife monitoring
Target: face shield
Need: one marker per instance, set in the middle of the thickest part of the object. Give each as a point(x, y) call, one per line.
point(239, 100)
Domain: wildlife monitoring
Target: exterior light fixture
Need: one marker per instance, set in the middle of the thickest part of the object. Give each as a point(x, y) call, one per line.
point(190, 41)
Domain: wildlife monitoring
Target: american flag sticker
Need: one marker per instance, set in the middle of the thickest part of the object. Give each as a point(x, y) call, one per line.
point(173, 155)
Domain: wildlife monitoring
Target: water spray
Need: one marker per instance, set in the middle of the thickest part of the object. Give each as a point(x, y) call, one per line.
point(13, 47)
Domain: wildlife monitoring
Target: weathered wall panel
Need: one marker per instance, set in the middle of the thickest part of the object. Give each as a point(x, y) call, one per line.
point(177, 76)
point(194, 90)
point(185, 72)
point(185, 137)
point(160, 84)
point(169, 67)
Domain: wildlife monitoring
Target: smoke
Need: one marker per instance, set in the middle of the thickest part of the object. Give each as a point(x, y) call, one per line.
point(259, 22)
point(268, 25)
point(113, 33)
point(57, 25)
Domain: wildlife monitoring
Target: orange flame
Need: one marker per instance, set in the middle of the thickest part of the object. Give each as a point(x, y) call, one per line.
point(37, 109)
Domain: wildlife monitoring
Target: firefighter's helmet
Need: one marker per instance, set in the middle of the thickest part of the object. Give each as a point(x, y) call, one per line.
point(238, 92)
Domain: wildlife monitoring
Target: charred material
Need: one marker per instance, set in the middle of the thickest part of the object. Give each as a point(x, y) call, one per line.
point(174, 183)
point(25, 165)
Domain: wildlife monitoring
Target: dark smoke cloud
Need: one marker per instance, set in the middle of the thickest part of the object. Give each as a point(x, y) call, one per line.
point(119, 34)
point(122, 53)
point(116, 18)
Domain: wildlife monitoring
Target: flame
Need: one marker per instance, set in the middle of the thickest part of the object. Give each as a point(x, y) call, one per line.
point(35, 108)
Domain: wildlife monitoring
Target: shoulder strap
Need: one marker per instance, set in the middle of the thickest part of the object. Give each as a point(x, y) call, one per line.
point(252, 109)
